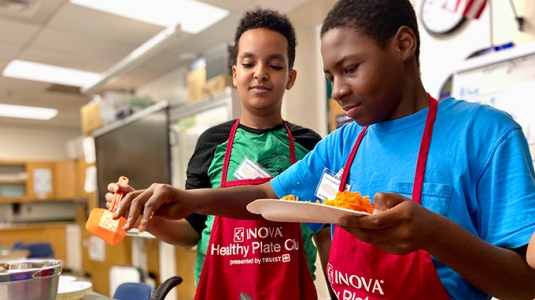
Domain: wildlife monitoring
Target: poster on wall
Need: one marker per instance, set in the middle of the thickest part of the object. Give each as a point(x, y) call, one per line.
point(506, 82)
point(42, 182)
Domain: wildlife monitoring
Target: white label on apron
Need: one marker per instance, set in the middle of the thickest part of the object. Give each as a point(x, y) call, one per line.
point(328, 185)
point(249, 170)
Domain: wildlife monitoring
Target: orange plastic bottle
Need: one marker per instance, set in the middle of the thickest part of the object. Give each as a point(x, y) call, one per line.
point(101, 223)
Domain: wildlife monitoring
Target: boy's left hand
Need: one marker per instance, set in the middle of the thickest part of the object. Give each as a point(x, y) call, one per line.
point(398, 225)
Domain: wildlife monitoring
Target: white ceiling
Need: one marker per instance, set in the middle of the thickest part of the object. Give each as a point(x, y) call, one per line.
point(67, 35)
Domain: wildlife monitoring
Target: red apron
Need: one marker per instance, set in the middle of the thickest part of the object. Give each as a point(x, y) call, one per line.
point(263, 259)
point(359, 270)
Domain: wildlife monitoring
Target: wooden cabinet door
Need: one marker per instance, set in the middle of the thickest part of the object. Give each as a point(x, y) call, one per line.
point(118, 255)
point(185, 265)
point(153, 258)
point(51, 233)
point(65, 181)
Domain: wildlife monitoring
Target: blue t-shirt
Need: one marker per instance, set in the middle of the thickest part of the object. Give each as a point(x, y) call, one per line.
point(479, 173)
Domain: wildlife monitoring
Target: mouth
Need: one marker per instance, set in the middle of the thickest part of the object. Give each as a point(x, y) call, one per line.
point(260, 89)
point(351, 110)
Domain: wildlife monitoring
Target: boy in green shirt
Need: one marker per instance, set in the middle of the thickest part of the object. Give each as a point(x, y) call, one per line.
point(249, 151)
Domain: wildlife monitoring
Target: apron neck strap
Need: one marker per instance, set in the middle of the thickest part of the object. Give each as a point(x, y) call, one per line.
point(422, 154)
point(350, 159)
point(424, 151)
point(228, 150)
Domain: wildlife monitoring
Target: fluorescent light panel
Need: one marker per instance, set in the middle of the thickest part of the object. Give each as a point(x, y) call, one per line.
point(47, 73)
point(27, 112)
point(193, 16)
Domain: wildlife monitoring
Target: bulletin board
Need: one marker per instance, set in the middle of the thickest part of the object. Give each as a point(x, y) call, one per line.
point(505, 80)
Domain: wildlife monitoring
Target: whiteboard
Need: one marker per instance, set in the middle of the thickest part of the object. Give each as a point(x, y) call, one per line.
point(505, 80)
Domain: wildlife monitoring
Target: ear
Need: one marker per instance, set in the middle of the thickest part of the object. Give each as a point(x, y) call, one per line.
point(291, 79)
point(234, 75)
point(405, 43)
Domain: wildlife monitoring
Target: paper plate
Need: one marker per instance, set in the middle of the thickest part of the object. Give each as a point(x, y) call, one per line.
point(72, 290)
point(65, 278)
point(299, 211)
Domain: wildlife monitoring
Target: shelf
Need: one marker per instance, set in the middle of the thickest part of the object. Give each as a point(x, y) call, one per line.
point(16, 199)
point(14, 180)
point(34, 200)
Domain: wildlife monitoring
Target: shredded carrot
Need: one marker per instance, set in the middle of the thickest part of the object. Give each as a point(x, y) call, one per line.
point(351, 200)
point(290, 198)
point(296, 198)
point(346, 199)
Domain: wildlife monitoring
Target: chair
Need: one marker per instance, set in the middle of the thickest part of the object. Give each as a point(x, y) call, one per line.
point(40, 250)
point(37, 250)
point(133, 291)
point(161, 292)
point(142, 291)
point(124, 274)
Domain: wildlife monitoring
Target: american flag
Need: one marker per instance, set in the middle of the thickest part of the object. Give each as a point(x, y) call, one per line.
point(470, 8)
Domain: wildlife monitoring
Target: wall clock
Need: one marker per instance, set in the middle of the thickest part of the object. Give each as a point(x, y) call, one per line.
point(439, 17)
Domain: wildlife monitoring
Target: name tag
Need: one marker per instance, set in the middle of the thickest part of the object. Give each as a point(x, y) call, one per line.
point(328, 185)
point(250, 170)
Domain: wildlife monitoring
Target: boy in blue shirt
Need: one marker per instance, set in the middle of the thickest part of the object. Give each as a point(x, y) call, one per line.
point(453, 182)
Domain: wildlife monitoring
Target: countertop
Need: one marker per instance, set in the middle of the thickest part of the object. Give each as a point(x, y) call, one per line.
point(18, 226)
point(7, 255)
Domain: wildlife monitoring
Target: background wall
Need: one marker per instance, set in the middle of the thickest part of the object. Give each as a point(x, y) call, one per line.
point(438, 59)
point(441, 56)
point(172, 87)
point(305, 103)
point(31, 143)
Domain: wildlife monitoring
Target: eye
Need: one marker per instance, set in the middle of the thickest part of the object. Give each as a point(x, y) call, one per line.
point(330, 78)
point(351, 69)
point(247, 65)
point(278, 68)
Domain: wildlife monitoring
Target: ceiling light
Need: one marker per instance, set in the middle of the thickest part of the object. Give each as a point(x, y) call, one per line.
point(27, 112)
point(193, 16)
point(47, 73)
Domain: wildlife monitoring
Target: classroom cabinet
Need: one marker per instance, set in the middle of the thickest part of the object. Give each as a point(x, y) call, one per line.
point(27, 181)
point(185, 265)
point(36, 233)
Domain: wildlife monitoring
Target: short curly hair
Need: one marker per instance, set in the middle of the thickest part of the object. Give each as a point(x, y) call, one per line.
point(272, 20)
point(377, 19)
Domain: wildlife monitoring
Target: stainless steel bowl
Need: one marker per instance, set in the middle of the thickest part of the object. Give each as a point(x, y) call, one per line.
point(30, 279)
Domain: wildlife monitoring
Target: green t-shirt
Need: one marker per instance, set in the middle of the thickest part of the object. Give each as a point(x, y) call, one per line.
point(268, 148)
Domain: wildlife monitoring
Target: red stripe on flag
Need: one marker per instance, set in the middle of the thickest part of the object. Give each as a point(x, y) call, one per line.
point(474, 8)
point(480, 11)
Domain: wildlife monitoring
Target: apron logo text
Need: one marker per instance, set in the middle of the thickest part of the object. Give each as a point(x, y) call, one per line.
point(241, 234)
point(260, 260)
point(355, 281)
point(348, 295)
point(255, 247)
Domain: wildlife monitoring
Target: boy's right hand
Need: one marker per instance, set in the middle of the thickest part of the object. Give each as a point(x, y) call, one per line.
point(114, 187)
point(158, 200)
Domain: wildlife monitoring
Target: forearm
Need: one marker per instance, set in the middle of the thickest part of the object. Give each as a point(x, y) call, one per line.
point(499, 272)
point(531, 252)
point(174, 232)
point(229, 202)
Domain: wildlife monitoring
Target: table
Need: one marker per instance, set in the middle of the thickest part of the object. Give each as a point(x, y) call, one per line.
point(89, 295)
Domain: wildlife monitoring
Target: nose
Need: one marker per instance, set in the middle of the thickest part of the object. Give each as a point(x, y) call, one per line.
point(261, 72)
point(340, 91)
